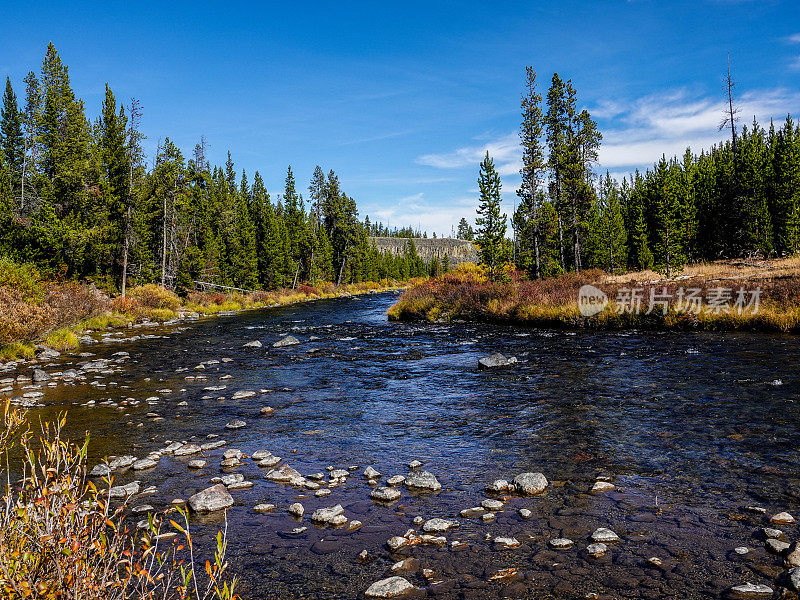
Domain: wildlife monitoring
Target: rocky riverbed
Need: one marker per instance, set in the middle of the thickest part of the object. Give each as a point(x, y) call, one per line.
point(358, 458)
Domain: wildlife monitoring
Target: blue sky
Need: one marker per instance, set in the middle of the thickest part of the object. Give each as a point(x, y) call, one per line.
point(403, 99)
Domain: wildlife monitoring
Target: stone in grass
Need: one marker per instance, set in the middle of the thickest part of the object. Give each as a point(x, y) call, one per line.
point(391, 587)
point(211, 499)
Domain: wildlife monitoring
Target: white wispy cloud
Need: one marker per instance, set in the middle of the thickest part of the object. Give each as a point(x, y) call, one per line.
point(793, 39)
point(795, 64)
point(668, 123)
point(504, 150)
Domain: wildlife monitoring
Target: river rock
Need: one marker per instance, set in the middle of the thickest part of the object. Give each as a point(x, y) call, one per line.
point(371, 473)
point(242, 394)
point(196, 464)
point(211, 499)
point(267, 410)
point(492, 504)
point(783, 518)
point(385, 494)
point(530, 484)
point(794, 578)
point(101, 470)
point(506, 542)
point(264, 508)
point(122, 462)
point(604, 535)
point(396, 542)
point(253, 344)
point(187, 449)
point(561, 543)
point(415, 464)
point(496, 361)
point(422, 480)
point(40, 375)
point(232, 453)
point(525, 513)
point(391, 587)
point(297, 510)
point(499, 486)
point(602, 486)
point(269, 461)
point(144, 463)
point(772, 533)
point(596, 549)
point(260, 455)
point(236, 424)
point(793, 556)
point(326, 515)
point(48, 354)
point(438, 525)
point(776, 546)
point(285, 474)
point(228, 480)
point(395, 480)
point(123, 491)
point(289, 340)
point(749, 590)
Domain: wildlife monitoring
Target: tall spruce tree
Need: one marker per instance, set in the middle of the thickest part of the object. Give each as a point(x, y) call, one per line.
point(11, 137)
point(491, 223)
point(526, 217)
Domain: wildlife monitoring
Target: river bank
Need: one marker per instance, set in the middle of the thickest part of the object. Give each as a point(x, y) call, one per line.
point(713, 298)
point(681, 445)
point(38, 315)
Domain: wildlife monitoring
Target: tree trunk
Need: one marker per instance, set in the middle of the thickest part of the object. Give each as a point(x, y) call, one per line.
point(561, 242)
point(164, 243)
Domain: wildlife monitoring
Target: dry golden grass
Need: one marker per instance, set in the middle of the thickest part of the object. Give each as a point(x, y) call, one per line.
point(719, 269)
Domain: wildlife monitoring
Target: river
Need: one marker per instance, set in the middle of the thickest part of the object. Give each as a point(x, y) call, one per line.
point(691, 429)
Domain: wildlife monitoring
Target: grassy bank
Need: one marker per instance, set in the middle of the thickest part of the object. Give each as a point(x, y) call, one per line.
point(35, 310)
point(726, 291)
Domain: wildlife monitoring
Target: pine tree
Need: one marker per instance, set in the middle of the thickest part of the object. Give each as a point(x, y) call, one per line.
point(490, 222)
point(526, 218)
point(11, 138)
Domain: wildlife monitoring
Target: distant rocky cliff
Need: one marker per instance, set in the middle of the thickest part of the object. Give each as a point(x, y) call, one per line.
point(457, 251)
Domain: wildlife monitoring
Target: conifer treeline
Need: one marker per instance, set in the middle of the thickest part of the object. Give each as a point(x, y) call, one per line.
point(740, 198)
point(76, 198)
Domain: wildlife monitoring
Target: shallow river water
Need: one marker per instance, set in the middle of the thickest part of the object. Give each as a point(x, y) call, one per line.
point(692, 429)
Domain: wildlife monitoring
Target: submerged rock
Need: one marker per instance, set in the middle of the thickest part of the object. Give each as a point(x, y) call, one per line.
point(289, 340)
point(597, 549)
point(236, 424)
point(211, 499)
point(285, 474)
point(496, 361)
point(253, 344)
point(561, 543)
